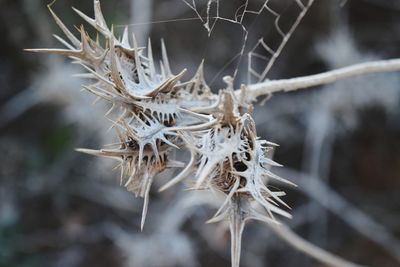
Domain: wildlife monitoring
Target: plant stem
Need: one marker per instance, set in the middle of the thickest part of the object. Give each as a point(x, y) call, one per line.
point(268, 87)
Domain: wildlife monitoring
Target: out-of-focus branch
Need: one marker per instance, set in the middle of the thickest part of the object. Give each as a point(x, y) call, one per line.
point(18, 104)
point(350, 214)
point(141, 14)
point(253, 91)
point(303, 245)
point(317, 158)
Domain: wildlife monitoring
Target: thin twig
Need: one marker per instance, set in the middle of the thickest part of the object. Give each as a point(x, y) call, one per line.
point(286, 85)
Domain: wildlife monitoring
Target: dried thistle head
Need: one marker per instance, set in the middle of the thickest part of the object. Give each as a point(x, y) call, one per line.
point(155, 113)
point(233, 161)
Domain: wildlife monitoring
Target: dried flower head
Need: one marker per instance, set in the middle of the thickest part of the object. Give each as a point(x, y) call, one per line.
point(155, 113)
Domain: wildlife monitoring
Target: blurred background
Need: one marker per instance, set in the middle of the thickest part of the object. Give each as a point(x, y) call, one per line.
point(340, 143)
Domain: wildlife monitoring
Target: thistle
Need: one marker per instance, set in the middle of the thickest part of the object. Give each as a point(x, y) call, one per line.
point(155, 113)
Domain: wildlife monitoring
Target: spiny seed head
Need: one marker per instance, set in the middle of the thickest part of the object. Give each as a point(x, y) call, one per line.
point(154, 113)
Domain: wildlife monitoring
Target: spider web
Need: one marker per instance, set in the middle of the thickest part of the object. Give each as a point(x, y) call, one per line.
point(261, 52)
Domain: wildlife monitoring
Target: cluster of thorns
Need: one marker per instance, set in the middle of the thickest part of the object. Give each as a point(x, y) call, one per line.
point(155, 114)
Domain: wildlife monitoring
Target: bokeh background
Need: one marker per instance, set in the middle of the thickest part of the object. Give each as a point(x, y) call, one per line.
point(340, 143)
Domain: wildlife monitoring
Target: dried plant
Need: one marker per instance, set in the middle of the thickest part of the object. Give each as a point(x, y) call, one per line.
point(155, 114)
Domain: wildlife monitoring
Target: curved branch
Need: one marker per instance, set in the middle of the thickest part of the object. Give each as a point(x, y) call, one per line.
point(252, 91)
point(303, 245)
point(352, 216)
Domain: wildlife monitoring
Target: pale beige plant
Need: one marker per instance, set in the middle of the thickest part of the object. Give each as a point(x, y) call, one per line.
point(155, 114)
